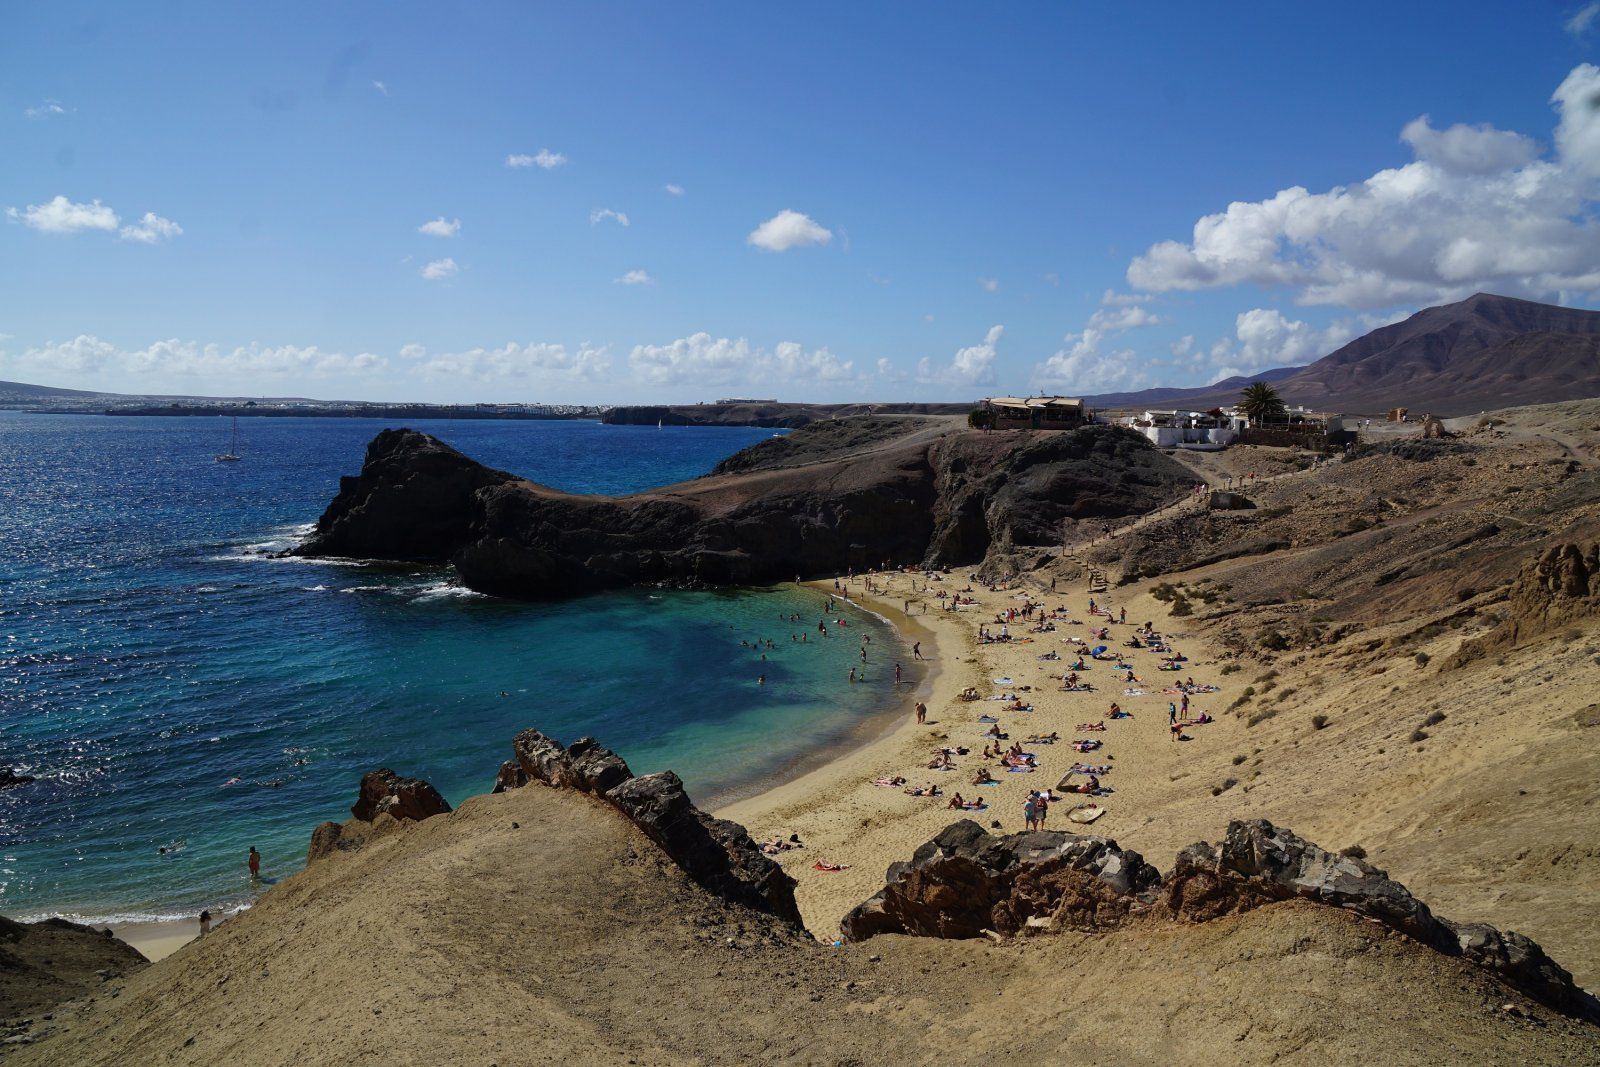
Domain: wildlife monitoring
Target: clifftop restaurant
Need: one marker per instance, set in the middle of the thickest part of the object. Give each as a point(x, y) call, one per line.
point(1035, 412)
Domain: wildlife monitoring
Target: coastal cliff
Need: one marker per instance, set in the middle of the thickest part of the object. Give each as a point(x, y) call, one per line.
point(845, 494)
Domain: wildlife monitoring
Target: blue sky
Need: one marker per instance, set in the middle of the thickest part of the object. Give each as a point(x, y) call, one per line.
point(832, 202)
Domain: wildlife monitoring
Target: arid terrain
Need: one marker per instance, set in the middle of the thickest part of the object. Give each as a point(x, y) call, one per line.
point(1405, 642)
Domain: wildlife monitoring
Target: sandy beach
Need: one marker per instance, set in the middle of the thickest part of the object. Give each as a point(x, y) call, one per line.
point(843, 818)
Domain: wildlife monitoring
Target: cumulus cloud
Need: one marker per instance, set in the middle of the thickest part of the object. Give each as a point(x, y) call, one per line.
point(1265, 338)
point(87, 354)
point(973, 365)
point(1478, 208)
point(1082, 366)
point(544, 159)
point(701, 359)
point(1123, 317)
point(516, 361)
point(1183, 345)
point(635, 277)
point(601, 214)
point(673, 189)
point(150, 229)
point(48, 109)
point(789, 229)
point(441, 227)
point(440, 268)
point(61, 215)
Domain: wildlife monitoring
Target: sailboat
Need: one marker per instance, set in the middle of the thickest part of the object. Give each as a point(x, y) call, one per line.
point(232, 454)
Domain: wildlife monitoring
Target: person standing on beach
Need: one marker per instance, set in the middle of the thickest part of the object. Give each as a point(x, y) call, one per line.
point(897, 675)
point(1172, 713)
point(255, 864)
point(1030, 808)
point(922, 713)
point(1041, 805)
point(205, 923)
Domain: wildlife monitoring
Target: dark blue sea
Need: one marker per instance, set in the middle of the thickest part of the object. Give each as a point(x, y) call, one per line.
point(172, 685)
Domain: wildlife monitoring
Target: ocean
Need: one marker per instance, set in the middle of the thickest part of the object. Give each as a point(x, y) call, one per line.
point(181, 695)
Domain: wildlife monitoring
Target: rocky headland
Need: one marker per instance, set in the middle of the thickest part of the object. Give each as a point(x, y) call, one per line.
point(839, 495)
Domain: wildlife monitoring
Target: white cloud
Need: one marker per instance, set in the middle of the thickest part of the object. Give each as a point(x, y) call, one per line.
point(1183, 345)
point(1265, 338)
point(1479, 208)
point(380, 87)
point(1124, 317)
point(1464, 149)
point(673, 189)
point(61, 215)
point(701, 359)
point(1081, 367)
point(1582, 19)
point(635, 277)
point(48, 109)
point(973, 365)
point(989, 285)
point(440, 268)
point(151, 229)
point(1052, 279)
point(1112, 298)
point(601, 214)
point(441, 227)
point(518, 361)
point(87, 354)
point(789, 229)
point(543, 159)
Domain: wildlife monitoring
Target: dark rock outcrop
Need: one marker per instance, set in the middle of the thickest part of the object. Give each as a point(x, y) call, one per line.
point(943, 498)
point(966, 882)
point(384, 792)
point(9, 778)
point(413, 501)
point(1555, 588)
point(717, 854)
point(45, 963)
point(1221, 500)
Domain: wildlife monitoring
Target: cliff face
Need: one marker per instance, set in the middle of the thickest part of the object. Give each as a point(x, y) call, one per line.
point(855, 499)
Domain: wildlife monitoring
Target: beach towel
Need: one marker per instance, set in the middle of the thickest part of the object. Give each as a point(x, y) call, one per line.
point(1002, 681)
point(1085, 813)
point(987, 718)
point(1019, 770)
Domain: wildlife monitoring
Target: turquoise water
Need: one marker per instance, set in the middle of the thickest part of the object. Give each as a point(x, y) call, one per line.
point(170, 684)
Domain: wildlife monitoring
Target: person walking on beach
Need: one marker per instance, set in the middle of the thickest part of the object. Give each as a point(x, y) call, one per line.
point(916, 650)
point(255, 864)
point(922, 713)
point(1172, 713)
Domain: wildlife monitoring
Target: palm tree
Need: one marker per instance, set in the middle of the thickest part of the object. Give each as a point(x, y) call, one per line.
point(1261, 402)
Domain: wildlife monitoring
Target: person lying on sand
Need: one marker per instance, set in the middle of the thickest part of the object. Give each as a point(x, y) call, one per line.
point(924, 791)
point(888, 781)
point(1088, 727)
point(1091, 786)
point(1044, 739)
point(821, 866)
point(940, 762)
point(1090, 768)
point(1087, 744)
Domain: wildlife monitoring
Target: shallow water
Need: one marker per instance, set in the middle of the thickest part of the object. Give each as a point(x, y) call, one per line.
point(172, 685)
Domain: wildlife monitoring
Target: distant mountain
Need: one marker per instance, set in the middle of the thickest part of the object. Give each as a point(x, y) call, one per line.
point(21, 391)
point(1217, 393)
point(1484, 352)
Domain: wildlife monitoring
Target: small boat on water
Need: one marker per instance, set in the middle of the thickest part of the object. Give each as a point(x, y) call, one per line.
point(232, 454)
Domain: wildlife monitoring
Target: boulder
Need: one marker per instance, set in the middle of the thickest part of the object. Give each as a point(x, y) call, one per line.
point(385, 792)
point(966, 881)
point(9, 778)
point(1221, 500)
point(324, 839)
point(511, 776)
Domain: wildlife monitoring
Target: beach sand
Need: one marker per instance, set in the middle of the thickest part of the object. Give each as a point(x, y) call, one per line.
point(157, 940)
point(843, 818)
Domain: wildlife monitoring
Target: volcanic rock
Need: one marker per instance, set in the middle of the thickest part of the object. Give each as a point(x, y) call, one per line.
point(718, 854)
point(967, 881)
point(1555, 588)
point(839, 494)
point(385, 792)
point(9, 778)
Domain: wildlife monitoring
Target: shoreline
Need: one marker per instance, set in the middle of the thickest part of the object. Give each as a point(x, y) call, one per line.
point(159, 938)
